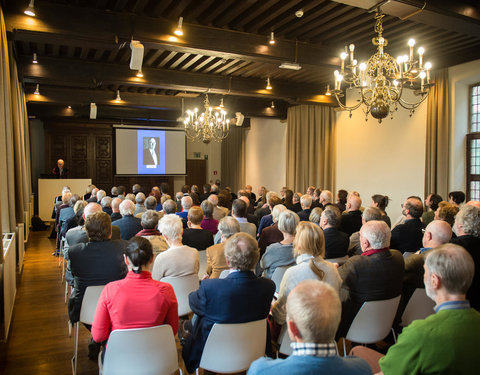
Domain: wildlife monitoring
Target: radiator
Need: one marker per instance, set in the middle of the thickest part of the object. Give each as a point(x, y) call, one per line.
point(20, 245)
point(9, 280)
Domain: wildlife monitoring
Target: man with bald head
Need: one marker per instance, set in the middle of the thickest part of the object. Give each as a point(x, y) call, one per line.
point(375, 275)
point(116, 215)
point(351, 221)
point(60, 171)
point(408, 236)
point(313, 315)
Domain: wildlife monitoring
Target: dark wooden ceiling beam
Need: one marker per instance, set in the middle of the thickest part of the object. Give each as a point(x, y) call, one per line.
point(260, 24)
point(99, 29)
point(85, 74)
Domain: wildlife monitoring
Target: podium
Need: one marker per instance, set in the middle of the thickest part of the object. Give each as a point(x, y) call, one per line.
point(48, 189)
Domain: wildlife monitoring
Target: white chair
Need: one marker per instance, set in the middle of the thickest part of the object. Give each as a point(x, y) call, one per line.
point(373, 322)
point(284, 341)
point(87, 313)
point(232, 348)
point(277, 276)
point(340, 260)
point(418, 307)
point(202, 269)
point(183, 286)
point(224, 274)
point(151, 351)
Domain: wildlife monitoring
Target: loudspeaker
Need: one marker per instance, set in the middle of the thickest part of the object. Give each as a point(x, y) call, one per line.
point(239, 118)
point(93, 111)
point(137, 55)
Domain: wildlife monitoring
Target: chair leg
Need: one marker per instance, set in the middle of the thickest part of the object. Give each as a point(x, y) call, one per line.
point(394, 336)
point(344, 347)
point(66, 291)
point(76, 327)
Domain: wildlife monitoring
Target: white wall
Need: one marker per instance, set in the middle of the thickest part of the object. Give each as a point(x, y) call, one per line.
point(460, 77)
point(386, 158)
point(266, 150)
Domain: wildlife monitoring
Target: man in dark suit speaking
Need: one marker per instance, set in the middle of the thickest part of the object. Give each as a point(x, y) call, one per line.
point(239, 298)
point(150, 153)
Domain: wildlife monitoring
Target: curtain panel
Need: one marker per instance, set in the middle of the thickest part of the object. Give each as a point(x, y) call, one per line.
point(438, 136)
point(311, 147)
point(233, 159)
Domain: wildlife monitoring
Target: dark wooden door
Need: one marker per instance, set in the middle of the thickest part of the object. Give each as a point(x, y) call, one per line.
point(196, 172)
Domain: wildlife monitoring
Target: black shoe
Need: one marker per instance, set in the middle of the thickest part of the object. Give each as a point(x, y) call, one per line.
point(93, 350)
point(56, 253)
point(183, 331)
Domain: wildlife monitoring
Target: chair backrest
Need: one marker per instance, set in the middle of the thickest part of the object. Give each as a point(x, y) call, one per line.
point(89, 303)
point(340, 260)
point(373, 321)
point(233, 347)
point(419, 306)
point(284, 341)
point(183, 286)
point(202, 269)
point(141, 351)
point(277, 276)
point(224, 274)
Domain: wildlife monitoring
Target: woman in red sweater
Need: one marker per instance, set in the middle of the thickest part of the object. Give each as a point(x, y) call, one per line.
point(137, 301)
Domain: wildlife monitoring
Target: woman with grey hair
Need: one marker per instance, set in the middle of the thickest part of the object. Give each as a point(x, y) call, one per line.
point(281, 253)
point(150, 220)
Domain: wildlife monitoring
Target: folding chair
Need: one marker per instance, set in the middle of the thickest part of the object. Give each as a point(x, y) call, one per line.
point(183, 286)
point(419, 306)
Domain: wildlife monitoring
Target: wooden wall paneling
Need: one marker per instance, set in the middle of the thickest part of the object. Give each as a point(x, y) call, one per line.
point(103, 161)
point(78, 164)
point(196, 172)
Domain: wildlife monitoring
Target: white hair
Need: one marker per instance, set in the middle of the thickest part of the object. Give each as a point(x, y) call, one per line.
point(171, 226)
point(140, 198)
point(100, 195)
point(277, 210)
point(187, 202)
point(327, 196)
point(91, 208)
point(288, 221)
point(306, 201)
point(106, 202)
point(127, 208)
point(377, 233)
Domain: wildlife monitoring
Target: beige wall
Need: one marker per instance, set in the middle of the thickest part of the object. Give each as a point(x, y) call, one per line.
point(386, 158)
point(266, 154)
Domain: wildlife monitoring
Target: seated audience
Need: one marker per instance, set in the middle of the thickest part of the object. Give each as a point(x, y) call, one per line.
point(113, 192)
point(208, 222)
point(206, 192)
point(280, 253)
point(116, 209)
point(239, 212)
point(297, 206)
point(309, 251)
point(336, 242)
point(381, 202)
point(306, 203)
point(240, 297)
point(370, 213)
point(351, 220)
point(265, 214)
point(218, 213)
point(97, 262)
point(445, 342)
point(178, 259)
point(178, 198)
point(375, 275)
point(194, 235)
point(216, 262)
point(431, 205)
point(316, 199)
point(139, 204)
point(137, 301)
point(446, 212)
point(151, 203)
point(100, 195)
point(150, 232)
point(129, 225)
point(74, 220)
point(155, 193)
point(456, 198)
point(316, 216)
point(252, 197)
point(121, 192)
point(93, 195)
point(136, 189)
point(313, 315)
point(106, 204)
point(326, 198)
point(408, 236)
point(342, 200)
point(467, 228)
point(251, 218)
point(130, 197)
point(262, 197)
point(271, 234)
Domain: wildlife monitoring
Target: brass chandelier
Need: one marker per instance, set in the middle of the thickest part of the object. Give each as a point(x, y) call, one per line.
point(212, 124)
point(381, 79)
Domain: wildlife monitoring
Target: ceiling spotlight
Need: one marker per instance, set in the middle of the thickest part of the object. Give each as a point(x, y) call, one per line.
point(139, 73)
point(69, 106)
point(299, 13)
point(272, 38)
point(272, 105)
point(269, 86)
point(118, 98)
point(179, 30)
point(37, 90)
point(30, 11)
point(35, 61)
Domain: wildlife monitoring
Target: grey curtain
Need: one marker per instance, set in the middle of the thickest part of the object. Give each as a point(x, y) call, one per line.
point(233, 159)
point(438, 136)
point(311, 147)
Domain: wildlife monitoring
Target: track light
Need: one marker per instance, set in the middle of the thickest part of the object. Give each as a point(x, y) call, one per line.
point(272, 38)
point(35, 61)
point(140, 73)
point(118, 98)
point(269, 86)
point(272, 105)
point(30, 11)
point(37, 90)
point(179, 30)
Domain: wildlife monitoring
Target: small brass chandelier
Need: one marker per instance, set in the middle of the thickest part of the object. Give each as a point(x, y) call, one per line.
point(381, 79)
point(210, 125)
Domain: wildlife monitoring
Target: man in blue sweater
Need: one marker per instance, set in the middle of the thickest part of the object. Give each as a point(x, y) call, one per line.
point(313, 315)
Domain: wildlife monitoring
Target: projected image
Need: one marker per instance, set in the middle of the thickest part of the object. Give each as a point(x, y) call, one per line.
point(151, 152)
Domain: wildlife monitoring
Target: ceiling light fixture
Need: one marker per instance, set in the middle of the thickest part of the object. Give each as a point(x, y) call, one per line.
point(292, 65)
point(210, 125)
point(118, 98)
point(272, 38)
point(37, 90)
point(328, 92)
point(140, 73)
point(269, 86)
point(69, 106)
point(380, 80)
point(179, 30)
point(272, 105)
point(30, 11)
point(34, 60)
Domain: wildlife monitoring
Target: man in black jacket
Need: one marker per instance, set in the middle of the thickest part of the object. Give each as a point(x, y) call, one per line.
point(336, 242)
point(408, 236)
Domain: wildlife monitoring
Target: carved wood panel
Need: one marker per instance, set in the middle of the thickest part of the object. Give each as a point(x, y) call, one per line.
point(79, 146)
point(103, 147)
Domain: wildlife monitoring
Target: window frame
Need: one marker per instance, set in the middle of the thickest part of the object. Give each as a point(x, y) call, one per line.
point(469, 138)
